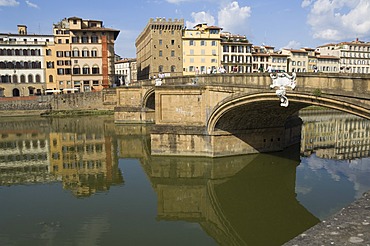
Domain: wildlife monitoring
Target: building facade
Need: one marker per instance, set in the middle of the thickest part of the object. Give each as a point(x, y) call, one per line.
point(354, 56)
point(202, 49)
point(297, 60)
point(126, 71)
point(22, 63)
point(84, 51)
point(236, 53)
point(159, 48)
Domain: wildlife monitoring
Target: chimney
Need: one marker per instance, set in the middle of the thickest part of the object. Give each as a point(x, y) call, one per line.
point(22, 30)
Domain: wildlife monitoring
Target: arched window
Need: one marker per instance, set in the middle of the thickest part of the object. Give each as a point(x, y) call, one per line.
point(76, 53)
point(51, 78)
point(23, 78)
point(94, 52)
point(38, 78)
point(2, 65)
point(85, 52)
point(160, 69)
point(30, 78)
point(25, 52)
point(173, 68)
point(10, 65)
point(15, 78)
point(86, 69)
point(95, 69)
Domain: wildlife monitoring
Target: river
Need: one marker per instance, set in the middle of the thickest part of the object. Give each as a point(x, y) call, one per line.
point(88, 181)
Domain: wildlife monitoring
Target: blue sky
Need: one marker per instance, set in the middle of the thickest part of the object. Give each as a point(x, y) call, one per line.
point(279, 23)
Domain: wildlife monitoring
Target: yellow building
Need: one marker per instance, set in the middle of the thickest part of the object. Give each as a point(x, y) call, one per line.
point(297, 60)
point(84, 51)
point(159, 48)
point(201, 49)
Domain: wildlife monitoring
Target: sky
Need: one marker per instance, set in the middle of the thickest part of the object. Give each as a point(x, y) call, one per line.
point(280, 23)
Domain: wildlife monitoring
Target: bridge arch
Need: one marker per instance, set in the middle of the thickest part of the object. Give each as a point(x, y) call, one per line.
point(237, 113)
point(149, 99)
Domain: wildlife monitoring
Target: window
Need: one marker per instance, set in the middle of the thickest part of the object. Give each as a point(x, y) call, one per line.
point(51, 78)
point(74, 40)
point(60, 71)
point(191, 43)
point(30, 78)
point(38, 78)
point(202, 43)
point(76, 70)
point(94, 53)
point(95, 82)
point(172, 53)
point(85, 40)
point(67, 53)
point(67, 71)
point(160, 42)
point(23, 79)
point(214, 43)
point(50, 64)
point(85, 53)
point(94, 39)
point(95, 69)
point(172, 42)
point(48, 52)
point(59, 53)
point(76, 53)
point(59, 41)
point(160, 69)
point(86, 70)
point(191, 52)
point(173, 68)
point(160, 53)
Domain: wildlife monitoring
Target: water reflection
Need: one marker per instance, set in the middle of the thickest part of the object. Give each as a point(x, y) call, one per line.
point(74, 151)
point(263, 199)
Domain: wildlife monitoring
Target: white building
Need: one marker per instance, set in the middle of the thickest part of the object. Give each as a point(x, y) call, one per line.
point(354, 56)
point(236, 53)
point(22, 63)
point(125, 71)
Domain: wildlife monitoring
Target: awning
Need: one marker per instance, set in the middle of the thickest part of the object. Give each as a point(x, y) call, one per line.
point(46, 91)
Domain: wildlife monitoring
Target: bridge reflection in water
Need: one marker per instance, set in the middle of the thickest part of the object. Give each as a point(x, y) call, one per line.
point(240, 200)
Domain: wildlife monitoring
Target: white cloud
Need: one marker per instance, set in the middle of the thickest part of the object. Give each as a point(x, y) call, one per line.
point(293, 45)
point(337, 20)
point(32, 5)
point(9, 3)
point(200, 17)
point(233, 18)
point(306, 3)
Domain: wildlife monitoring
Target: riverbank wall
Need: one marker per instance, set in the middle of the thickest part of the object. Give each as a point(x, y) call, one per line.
point(49, 104)
point(350, 226)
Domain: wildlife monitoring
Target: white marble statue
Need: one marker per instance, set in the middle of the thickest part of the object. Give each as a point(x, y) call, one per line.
point(281, 81)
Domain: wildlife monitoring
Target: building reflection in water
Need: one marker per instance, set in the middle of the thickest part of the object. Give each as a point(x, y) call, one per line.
point(242, 200)
point(75, 151)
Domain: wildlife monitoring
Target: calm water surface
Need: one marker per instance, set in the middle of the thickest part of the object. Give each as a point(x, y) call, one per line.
point(87, 181)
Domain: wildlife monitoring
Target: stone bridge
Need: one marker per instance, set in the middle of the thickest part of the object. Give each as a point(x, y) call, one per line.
point(227, 114)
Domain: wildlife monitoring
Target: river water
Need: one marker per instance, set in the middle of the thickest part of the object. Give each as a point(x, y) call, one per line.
point(87, 181)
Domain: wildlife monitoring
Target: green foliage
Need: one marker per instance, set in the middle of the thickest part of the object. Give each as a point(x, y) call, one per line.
point(316, 92)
